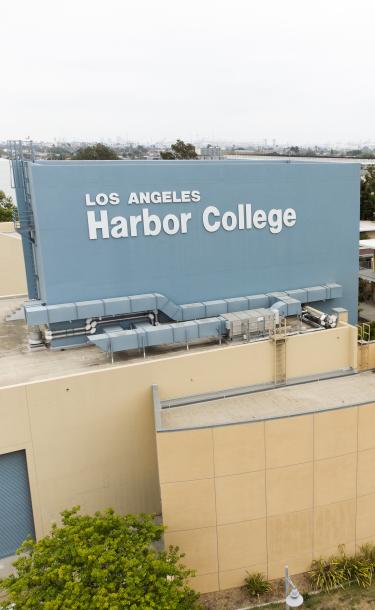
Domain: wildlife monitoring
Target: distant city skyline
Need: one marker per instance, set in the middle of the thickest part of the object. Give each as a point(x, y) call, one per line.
point(212, 71)
point(165, 143)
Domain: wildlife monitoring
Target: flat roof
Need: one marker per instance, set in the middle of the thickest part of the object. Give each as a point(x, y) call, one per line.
point(286, 401)
point(367, 243)
point(19, 364)
point(366, 225)
point(12, 234)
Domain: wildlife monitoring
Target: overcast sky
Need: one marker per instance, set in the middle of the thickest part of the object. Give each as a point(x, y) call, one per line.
point(297, 71)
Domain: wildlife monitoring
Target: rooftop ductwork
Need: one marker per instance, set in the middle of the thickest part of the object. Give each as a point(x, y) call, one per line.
point(291, 300)
point(246, 325)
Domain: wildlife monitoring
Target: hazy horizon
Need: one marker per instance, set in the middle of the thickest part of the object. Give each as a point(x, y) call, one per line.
point(152, 71)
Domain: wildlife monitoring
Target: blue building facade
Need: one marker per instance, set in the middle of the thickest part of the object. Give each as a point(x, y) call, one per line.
point(192, 230)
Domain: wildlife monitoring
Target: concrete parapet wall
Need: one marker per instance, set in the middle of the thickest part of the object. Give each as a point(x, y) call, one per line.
point(6, 227)
point(366, 355)
point(12, 268)
point(328, 350)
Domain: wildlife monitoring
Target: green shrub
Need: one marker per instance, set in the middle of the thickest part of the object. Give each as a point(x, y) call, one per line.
point(367, 551)
point(341, 569)
point(327, 574)
point(96, 562)
point(7, 208)
point(356, 568)
point(257, 584)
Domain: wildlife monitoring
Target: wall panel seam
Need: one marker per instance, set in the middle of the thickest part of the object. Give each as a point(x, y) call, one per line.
point(290, 465)
point(313, 490)
point(214, 477)
point(333, 457)
point(238, 474)
point(186, 481)
point(265, 493)
point(39, 509)
point(356, 487)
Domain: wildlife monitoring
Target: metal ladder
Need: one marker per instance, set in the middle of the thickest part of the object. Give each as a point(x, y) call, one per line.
point(364, 336)
point(279, 341)
point(21, 154)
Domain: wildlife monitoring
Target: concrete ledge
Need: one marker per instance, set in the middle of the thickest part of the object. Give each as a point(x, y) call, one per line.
point(13, 296)
point(6, 227)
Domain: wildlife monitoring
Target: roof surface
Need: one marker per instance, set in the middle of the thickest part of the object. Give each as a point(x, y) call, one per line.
point(275, 403)
point(366, 225)
point(367, 243)
point(18, 364)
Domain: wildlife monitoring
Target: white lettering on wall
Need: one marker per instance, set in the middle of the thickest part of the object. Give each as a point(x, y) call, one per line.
point(98, 225)
point(102, 199)
point(245, 217)
point(210, 226)
point(229, 221)
point(114, 198)
point(289, 217)
point(151, 223)
point(163, 197)
point(120, 227)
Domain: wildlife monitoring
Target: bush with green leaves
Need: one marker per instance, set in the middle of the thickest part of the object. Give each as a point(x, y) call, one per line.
point(104, 561)
point(367, 551)
point(356, 568)
point(342, 569)
point(256, 584)
point(327, 574)
point(8, 210)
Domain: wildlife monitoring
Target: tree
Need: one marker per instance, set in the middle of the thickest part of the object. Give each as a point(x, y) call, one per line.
point(105, 561)
point(134, 152)
point(98, 152)
point(58, 153)
point(368, 194)
point(8, 210)
point(180, 150)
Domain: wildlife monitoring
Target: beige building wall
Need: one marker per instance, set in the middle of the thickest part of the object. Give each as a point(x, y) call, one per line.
point(12, 268)
point(89, 440)
point(254, 496)
point(90, 437)
point(366, 355)
point(321, 351)
point(6, 227)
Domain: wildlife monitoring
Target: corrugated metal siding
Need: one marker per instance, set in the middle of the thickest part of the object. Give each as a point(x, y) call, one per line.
point(16, 517)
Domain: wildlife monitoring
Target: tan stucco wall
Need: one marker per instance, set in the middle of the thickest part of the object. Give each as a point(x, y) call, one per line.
point(12, 269)
point(253, 497)
point(366, 355)
point(89, 441)
point(324, 351)
point(6, 227)
point(90, 437)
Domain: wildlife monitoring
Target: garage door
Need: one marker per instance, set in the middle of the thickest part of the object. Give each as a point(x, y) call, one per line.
point(16, 516)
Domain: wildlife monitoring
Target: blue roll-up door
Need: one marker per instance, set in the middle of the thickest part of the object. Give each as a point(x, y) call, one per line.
point(16, 515)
